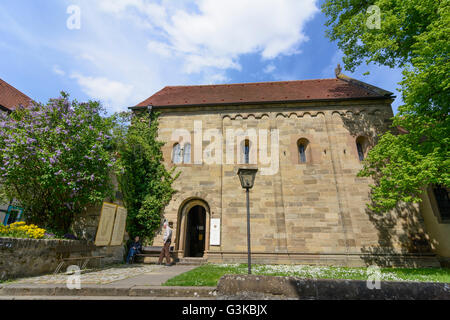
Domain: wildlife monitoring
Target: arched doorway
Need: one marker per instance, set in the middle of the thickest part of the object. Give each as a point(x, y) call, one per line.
point(193, 229)
point(195, 232)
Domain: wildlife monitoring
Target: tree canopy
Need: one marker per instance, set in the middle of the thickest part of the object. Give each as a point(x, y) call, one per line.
point(415, 36)
point(56, 159)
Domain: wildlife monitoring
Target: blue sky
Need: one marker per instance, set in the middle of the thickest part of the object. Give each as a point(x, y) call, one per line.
point(126, 50)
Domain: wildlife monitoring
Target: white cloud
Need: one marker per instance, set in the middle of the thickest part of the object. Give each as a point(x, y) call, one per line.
point(113, 94)
point(129, 49)
point(87, 57)
point(57, 70)
point(160, 48)
point(269, 68)
point(218, 32)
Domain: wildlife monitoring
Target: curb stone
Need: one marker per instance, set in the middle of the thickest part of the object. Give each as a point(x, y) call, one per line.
point(97, 290)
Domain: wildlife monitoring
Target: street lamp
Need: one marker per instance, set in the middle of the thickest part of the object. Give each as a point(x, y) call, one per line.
point(247, 177)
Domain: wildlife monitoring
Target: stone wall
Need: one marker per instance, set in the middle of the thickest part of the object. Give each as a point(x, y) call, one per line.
point(32, 257)
point(246, 287)
point(313, 212)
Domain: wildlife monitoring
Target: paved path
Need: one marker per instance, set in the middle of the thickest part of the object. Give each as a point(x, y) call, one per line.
point(156, 277)
point(138, 280)
point(104, 276)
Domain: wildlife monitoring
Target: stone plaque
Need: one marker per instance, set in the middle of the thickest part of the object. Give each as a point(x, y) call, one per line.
point(106, 224)
point(214, 235)
point(119, 226)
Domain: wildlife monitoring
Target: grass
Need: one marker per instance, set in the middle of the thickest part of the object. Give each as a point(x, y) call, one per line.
point(209, 274)
point(6, 281)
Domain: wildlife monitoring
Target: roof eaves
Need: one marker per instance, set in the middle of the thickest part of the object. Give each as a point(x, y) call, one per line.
point(3, 108)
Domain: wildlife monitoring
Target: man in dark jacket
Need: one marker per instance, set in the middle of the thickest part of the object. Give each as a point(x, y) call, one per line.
point(135, 248)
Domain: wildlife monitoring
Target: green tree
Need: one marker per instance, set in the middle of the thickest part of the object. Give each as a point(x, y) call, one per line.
point(56, 160)
point(143, 179)
point(413, 35)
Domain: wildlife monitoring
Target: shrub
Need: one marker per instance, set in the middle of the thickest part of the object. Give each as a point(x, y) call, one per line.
point(55, 159)
point(22, 230)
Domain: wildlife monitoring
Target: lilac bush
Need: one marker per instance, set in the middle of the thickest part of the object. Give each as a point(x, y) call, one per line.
point(55, 159)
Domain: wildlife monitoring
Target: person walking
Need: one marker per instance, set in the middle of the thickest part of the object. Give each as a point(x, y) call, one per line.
point(165, 252)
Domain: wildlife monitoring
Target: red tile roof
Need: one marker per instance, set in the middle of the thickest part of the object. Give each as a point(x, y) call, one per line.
point(11, 98)
point(285, 91)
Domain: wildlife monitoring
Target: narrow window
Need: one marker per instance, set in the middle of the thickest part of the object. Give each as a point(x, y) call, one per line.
point(247, 152)
point(187, 153)
point(360, 151)
point(302, 147)
point(443, 202)
point(362, 145)
point(302, 153)
point(176, 153)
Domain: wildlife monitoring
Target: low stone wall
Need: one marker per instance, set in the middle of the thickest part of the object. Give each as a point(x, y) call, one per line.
point(267, 287)
point(32, 257)
point(343, 260)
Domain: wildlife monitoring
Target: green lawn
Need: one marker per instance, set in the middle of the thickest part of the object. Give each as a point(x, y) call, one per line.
point(209, 274)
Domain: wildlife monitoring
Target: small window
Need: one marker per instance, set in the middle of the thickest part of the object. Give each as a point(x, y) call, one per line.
point(176, 153)
point(13, 214)
point(187, 153)
point(247, 152)
point(360, 151)
point(442, 201)
point(362, 145)
point(302, 145)
point(302, 153)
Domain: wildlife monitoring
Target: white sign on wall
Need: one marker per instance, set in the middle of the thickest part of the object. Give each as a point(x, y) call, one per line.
point(214, 235)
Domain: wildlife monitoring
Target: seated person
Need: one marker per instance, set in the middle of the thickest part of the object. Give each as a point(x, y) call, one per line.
point(135, 248)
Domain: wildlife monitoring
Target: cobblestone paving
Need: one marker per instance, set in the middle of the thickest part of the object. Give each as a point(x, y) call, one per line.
point(103, 276)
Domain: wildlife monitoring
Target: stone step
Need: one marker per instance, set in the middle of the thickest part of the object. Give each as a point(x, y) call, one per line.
point(153, 259)
point(192, 261)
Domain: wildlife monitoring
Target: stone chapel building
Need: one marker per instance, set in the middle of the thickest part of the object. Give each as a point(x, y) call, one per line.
point(311, 207)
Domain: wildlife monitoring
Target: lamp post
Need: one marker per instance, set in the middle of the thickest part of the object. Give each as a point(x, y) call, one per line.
point(247, 178)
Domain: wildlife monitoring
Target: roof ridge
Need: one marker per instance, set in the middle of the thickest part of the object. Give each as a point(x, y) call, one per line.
point(247, 83)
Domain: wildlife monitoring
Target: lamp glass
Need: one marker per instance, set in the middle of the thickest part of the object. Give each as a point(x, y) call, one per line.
point(247, 177)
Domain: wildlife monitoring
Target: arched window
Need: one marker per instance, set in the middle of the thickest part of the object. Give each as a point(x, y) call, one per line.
point(302, 145)
point(362, 144)
point(176, 153)
point(187, 153)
